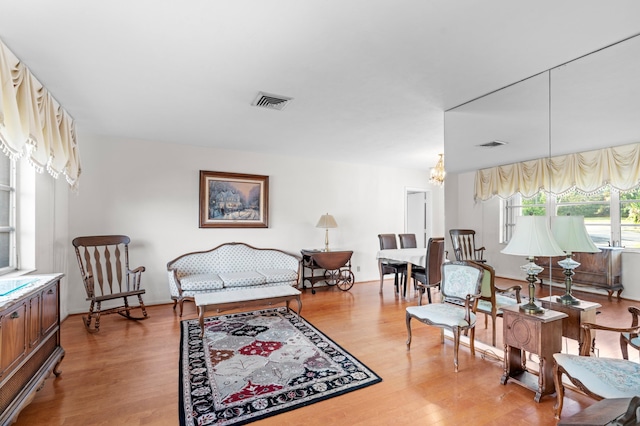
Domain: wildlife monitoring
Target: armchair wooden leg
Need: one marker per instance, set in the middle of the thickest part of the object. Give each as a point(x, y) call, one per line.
point(493, 331)
point(408, 321)
point(456, 344)
point(557, 380)
point(472, 338)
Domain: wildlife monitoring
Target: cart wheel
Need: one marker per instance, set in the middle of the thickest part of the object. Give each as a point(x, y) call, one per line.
point(346, 280)
point(332, 277)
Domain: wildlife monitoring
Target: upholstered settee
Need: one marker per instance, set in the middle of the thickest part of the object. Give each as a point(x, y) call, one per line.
point(230, 266)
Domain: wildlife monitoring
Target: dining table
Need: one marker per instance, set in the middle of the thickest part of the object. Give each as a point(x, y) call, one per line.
point(409, 256)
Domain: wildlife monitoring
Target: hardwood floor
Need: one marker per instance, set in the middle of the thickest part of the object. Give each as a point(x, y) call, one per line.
point(127, 374)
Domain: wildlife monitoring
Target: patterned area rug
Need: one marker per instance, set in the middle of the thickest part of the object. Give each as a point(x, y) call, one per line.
point(253, 365)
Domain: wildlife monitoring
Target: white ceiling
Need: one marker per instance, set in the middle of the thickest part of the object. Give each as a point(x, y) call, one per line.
point(370, 79)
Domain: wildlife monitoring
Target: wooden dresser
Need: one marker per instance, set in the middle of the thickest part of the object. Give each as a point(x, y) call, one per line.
point(600, 270)
point(29, 341)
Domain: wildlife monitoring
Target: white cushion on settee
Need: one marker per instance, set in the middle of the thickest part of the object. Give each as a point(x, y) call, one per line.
point(242, 279)
point(278, 275)
point(201, 282)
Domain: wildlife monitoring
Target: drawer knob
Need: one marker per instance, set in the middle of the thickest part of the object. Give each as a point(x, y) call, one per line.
point(50, 291)
point(14, 315)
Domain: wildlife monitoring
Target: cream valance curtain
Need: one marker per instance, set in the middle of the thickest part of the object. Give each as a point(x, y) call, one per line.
point(588, 171)
point(32, 123)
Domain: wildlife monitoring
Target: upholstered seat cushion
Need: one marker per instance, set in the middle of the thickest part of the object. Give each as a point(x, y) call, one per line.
point(278, 275)
point(485, 305)
point(607, 377)
point(242, 279)
point(441, 313)
point(201, 282)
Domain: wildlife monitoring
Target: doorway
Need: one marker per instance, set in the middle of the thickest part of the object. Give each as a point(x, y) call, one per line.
point(418, 214)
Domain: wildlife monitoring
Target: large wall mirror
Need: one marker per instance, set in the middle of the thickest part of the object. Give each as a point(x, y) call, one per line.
point(589, 103)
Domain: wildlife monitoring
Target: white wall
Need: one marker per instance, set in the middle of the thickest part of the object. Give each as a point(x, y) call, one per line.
point(463, 212)
point(149, 191)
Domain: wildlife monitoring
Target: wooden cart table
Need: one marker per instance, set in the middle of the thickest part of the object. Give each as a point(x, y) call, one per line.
point(333, 267)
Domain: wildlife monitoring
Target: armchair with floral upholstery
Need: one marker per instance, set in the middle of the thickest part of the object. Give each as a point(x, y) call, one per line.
point(460, 285)
point(598, 378)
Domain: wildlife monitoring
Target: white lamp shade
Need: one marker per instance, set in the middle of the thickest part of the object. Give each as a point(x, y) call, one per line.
point(327, 221)
point(532, 237)
point(571, 234)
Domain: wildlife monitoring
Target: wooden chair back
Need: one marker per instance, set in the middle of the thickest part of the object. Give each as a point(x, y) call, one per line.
point(104, 267)
point(408, 240)
point(104, 262)
point(432, 274)
point(463, 242)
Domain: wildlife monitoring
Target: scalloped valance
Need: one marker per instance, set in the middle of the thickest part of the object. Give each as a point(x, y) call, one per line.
point(618, 167)
point(33, 124)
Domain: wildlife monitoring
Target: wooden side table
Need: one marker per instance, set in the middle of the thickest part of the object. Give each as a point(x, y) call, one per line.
point(540, 334)
point(576, 316)
point(334, 268)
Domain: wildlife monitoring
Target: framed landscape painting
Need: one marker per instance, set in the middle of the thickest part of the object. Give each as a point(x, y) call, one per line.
point(233, 200)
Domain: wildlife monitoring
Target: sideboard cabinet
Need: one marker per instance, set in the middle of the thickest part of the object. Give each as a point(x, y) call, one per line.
point(29, 342)
point(601, 270)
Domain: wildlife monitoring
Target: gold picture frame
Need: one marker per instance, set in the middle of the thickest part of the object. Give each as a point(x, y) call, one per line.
point(233, 200)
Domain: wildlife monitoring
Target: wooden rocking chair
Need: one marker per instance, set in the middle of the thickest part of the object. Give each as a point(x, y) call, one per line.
point(104, 267)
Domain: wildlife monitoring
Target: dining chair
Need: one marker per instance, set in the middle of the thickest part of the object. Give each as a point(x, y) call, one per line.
point(430, 276)
point(460, 289)
point(407, 240)
point(398, 269)
point(464, 245)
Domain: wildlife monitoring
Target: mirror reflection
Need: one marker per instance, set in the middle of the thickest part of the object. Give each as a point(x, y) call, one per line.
point(586, 104)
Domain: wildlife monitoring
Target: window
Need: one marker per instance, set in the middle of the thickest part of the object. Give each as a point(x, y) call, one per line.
point(630, 219)
point(519, 206)
point(7, 214)
point(611, 218)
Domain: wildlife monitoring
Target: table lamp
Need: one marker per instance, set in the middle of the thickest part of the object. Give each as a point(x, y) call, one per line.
point(572, 237)
point(326, 221)
point(532, 237)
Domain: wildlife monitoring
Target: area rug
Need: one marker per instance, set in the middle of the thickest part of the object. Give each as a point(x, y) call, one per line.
point(253, 365)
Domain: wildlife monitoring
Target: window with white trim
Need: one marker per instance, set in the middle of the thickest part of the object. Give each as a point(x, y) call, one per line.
point(612, 218)
point(7, 214)
point(519, 206)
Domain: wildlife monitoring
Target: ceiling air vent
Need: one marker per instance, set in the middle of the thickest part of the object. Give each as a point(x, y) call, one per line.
point(267, 100)
point(492, 144)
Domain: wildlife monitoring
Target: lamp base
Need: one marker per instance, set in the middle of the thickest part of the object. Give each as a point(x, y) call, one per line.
point(567, 299)
point(532, 271)
point(531, 308)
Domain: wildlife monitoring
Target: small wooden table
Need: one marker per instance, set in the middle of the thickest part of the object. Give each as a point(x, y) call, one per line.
point(233, 298)
point(576, 316)
point(334, 268)
point(540, 334)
